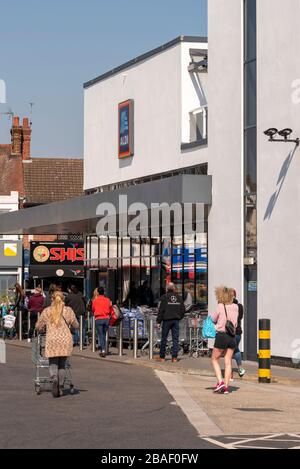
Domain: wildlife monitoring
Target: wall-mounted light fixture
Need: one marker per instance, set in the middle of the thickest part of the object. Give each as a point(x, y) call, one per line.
point(285, 133)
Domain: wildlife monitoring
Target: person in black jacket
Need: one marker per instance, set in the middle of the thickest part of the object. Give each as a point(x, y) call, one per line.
point(18, 306)
point(170, 311)
point(52, 289)
point(75, 301)
point(238, 335)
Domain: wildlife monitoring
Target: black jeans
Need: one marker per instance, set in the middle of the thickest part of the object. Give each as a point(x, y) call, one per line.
point(57, 368)
point(167, 326)
point(33, 321)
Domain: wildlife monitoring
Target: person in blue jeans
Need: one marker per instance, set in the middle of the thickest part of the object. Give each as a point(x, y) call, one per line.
point(238, 335)
point(170, 311)
point(102, 308)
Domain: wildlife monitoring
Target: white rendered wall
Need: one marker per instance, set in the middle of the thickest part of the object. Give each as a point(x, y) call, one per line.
point(225, 131)
point(193, 89)
point(9, 203)
point(278, 68)
point(155, 87)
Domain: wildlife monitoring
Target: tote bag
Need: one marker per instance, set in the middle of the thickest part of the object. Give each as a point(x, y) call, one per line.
point(209, 330)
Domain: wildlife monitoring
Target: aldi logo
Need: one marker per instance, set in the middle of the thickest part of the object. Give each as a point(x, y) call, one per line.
point(126, 129)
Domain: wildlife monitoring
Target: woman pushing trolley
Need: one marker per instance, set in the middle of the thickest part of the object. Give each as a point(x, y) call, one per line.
point(58, 319)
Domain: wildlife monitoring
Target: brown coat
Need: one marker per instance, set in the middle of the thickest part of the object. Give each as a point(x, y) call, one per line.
point(59, 341)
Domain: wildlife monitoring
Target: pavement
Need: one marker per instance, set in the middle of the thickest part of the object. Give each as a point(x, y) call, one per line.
point(187, 365)
point(253, 415)
point(113, 407)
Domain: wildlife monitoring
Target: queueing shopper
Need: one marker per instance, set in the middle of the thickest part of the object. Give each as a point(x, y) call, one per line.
point(76, 302)
point(18, 306)
point(49, 295)
point(101, 308)
point(238, 335)
point(170, 311)
point(226, 319)
point(57, 319)
point(35, 306)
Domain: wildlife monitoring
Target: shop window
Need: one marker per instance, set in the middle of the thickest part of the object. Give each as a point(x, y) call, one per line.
point(7, 283)
point(88, 251)
point(201, 270)
point(103, 247)
point(145, 246)
point(135, 259)
point(113, 247)
point(189, 268)
point(94, 251)
point(155, 247)
point(155, 278)
point(177, 263)
point(165, 263)
point(125, 288)
point(120, 252)
point(103, 264)
point(126, 247)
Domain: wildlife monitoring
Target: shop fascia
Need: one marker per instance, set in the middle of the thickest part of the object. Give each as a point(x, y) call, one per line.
point(138, 219)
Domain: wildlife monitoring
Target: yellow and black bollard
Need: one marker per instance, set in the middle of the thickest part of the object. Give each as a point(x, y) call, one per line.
point(264, 353)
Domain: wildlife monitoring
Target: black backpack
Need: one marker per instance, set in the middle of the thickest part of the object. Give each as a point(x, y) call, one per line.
point(229, 326)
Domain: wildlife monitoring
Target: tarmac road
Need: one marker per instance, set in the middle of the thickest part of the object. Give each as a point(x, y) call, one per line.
point(115, 406)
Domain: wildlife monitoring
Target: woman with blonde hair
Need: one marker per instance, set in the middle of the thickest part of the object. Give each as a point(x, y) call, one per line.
point(95, 294)
point(57, 319)
point(226, 319)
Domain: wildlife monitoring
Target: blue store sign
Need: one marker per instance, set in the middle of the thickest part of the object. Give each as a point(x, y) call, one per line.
point(126, 129)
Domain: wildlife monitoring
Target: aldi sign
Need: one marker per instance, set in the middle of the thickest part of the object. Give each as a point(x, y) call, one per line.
point(126, 129)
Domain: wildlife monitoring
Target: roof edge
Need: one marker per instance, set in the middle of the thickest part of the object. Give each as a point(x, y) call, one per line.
point(143, 57)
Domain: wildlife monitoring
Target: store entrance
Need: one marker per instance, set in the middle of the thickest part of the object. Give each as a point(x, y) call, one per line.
point(7, 283)
point(44, 283)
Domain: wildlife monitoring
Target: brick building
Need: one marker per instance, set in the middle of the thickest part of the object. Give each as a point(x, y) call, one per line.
point(27, 182)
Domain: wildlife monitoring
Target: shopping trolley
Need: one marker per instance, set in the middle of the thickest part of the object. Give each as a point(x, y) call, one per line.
point(157, 336)
point(197, 344)
point(156, 333)
point(42, 381)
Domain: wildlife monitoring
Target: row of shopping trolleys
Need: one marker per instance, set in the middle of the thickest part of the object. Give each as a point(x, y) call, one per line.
point(191, 339)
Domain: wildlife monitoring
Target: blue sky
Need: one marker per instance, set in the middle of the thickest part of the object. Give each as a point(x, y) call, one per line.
point(49, 49)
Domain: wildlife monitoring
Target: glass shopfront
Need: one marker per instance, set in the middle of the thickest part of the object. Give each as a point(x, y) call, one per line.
point(136, 270)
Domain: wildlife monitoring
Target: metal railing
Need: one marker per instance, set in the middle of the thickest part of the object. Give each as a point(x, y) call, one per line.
point(81, 333)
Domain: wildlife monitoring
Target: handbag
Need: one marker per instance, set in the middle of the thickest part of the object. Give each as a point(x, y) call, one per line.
point(116, 316)
point(208, 330)
point(9, 321)
point(229, 326)
point(71, 329)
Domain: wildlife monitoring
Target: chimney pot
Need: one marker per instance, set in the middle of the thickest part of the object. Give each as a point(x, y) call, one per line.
point(16, 136)
point(26, 139)
point(25, 122)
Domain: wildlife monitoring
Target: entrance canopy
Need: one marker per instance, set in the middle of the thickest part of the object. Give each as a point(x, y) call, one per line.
point(79, 215)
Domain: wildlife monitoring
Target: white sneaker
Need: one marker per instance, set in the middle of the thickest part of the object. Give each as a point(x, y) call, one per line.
point(28, 340)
